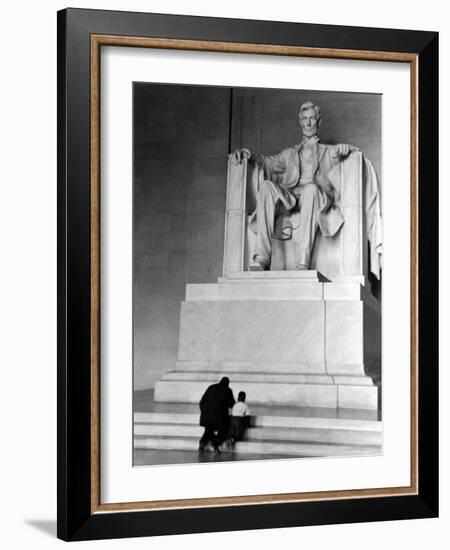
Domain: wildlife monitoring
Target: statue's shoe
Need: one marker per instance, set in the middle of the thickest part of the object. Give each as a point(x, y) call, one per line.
point(255, 266)
point(259, 264)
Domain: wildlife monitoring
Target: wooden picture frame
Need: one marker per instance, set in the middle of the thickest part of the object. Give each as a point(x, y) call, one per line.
point(81, 35)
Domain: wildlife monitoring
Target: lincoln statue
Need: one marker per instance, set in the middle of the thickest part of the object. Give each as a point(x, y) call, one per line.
point(296, 179)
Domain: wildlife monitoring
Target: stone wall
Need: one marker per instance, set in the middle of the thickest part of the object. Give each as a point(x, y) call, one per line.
point(181, 140)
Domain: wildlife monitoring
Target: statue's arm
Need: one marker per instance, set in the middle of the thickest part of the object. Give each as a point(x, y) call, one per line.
point(340, 152)
point(239, 155)
point(272, 164)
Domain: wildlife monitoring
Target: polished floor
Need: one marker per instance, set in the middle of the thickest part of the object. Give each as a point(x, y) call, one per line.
point(147, 458)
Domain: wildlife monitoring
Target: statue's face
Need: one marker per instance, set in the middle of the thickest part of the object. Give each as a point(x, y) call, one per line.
point(308, 122)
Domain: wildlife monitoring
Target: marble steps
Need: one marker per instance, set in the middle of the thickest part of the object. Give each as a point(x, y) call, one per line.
point(284, 290)
point(310, 435)
point(272, 417)
point(266, 447)
point(154, 430)
point(224, 368)
point(282, 285)
point(144, 402)
point(276, 378)
point(282, 393)
point(304, 275)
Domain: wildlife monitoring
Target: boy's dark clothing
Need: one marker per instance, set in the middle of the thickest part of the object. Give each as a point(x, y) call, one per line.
point(238, 425)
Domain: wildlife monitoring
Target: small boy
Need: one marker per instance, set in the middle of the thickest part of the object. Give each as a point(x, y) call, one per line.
point(240, 419)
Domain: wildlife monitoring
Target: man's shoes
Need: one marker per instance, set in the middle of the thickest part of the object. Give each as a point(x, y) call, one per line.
point(227, 446)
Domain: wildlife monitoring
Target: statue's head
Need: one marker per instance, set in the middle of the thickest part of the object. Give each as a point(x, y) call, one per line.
point(309, 118)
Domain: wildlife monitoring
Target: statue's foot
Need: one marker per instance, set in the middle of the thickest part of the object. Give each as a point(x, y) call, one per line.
point(259, 264)
point(256, 266)
point(301, 267)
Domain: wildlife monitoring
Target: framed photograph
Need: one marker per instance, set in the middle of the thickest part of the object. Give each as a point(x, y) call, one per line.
point(247, 254)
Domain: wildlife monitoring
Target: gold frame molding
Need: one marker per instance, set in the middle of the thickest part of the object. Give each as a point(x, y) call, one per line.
point(97, 41)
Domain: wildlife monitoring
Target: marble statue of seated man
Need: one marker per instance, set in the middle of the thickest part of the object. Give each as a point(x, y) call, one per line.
point(296, 178)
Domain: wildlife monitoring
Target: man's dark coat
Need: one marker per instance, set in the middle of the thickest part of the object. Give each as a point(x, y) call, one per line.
point(214, 405)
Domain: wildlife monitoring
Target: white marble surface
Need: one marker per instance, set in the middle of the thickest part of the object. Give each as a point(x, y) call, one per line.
point(270, 418)
point(281, 367)
point(286, 378)
point(344, 332)
point(303, 275)
point(342, 291)
point(301, 395)
point(358, 397)
point(281, 434)
point(293, 394)
point(252, 330)
point(255, 290)
point(293, 341)
point(256, 287)
point(345, 369)
point(235, 218)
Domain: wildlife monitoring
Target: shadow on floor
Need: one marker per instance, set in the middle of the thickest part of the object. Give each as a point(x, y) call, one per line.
point(46, 526)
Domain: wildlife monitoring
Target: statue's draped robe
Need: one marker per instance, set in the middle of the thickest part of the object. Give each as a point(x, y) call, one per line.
point(283, 169)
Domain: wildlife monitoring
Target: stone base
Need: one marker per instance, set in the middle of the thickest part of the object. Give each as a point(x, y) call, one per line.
point(325, 395)
point(286, 338)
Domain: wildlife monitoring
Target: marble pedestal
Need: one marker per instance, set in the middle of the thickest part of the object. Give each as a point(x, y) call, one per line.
point(288, 338)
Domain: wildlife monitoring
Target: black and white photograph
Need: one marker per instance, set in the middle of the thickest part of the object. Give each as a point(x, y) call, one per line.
point(257, 274)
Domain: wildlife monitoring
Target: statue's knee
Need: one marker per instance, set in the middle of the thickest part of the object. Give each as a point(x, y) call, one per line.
point(310, 191)
point(267, 191)
point(266, 186)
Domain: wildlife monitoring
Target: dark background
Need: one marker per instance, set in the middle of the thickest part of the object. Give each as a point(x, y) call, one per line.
point(182, 136)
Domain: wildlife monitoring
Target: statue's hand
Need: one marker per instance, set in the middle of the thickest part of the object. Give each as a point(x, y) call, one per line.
point(342, 150)
point(237, 156)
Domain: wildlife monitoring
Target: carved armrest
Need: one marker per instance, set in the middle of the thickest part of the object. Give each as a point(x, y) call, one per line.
point(235, 217)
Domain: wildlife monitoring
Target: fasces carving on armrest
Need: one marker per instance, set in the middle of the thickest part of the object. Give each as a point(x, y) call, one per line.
point(235, 223)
